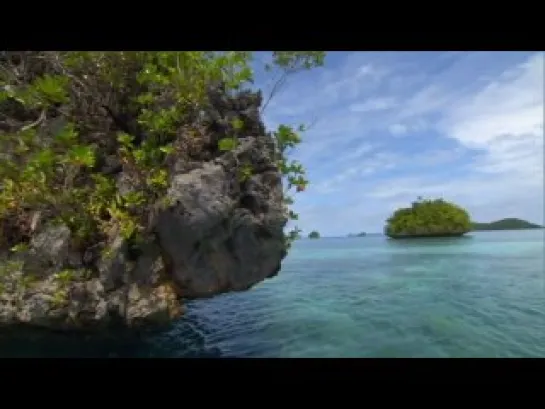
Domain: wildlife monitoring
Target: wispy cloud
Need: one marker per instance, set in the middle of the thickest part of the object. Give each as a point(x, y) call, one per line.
point(398, 129)
point(408, 128)
point(373, 104)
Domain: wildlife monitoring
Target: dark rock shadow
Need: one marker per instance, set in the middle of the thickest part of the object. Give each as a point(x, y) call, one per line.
point(183, 339)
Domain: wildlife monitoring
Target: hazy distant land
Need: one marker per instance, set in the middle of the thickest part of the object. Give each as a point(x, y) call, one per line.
point(502, 224)
point(505, 224)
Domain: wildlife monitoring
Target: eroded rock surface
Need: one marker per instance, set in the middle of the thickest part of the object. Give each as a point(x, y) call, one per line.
point(222, 235)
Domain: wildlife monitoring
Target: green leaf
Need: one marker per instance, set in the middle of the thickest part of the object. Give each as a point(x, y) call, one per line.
point(134, 198)
point(158, 178)
point(292, 215)
point(53, 88)
point(139, 156)
point(227, 144)
point(4, 95)
point(144, 99)
point(245, 74)
point(19, 248)
point(125, 139)
point(167, 149)
point(44, 158)
point(238, 124)
point(82, 155)
point(67, 135)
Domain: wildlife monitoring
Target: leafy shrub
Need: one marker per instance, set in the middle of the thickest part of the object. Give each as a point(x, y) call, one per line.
point(428, 218)
point(69, 120)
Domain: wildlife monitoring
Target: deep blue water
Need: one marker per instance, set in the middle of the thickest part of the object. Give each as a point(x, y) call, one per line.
point(478, 296)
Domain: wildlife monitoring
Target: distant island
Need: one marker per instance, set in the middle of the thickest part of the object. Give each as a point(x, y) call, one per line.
point(314, 235)
point(362, 234)
point(428, 218)
point(505, 224)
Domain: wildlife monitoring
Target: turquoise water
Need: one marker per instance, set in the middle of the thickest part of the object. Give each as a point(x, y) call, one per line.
point(477, 296)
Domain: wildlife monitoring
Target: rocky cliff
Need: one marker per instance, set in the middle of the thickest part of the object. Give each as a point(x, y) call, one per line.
point(218, 227)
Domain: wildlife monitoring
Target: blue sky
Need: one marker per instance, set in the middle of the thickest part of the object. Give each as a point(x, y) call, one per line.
point(390, 126)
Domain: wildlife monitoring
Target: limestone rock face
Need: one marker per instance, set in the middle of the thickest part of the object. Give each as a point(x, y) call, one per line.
point(222, 235)
point(218, 229)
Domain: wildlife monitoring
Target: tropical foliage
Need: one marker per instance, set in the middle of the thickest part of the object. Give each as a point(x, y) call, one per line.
point(64, 116)
point(428, 218)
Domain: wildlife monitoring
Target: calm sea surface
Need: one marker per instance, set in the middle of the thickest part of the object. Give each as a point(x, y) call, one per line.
point(478, 296)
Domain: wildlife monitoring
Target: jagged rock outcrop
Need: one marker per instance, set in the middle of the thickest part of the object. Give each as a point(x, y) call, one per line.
point(223, 235)
point(217, 232)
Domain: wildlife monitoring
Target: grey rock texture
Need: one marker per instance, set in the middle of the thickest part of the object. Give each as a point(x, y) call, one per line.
point(220, 234)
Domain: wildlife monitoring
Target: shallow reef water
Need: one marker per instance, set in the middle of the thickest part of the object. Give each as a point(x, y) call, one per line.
point(478, 296)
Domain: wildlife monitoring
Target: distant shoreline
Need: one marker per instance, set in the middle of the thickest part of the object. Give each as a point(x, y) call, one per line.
point(514, 229)
point(383, 235)
point(426, 236)
point(505, 224)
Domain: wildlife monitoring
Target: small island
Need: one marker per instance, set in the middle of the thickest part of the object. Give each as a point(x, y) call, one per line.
point(505, 224)
point(314, 235)
point(428, 218)
point(362, 234)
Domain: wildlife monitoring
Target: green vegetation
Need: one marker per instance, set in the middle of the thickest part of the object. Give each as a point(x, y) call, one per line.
point(505, 224)
point(428, 218)
point(314, 235)
point(65, 115)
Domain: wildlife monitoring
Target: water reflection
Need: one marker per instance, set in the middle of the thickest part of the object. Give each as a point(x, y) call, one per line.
point(430, 241)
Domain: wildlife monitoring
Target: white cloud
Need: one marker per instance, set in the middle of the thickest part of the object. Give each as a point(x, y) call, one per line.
point(373, 104)
point(409, 127)
point(432, 98)
point(347, 83)
point(333, 184)
point(357, 153)
point(398, 129)
point(301, 97)
point(485, 198)
point(367, 161)
point(323, 98)
point(504, 120)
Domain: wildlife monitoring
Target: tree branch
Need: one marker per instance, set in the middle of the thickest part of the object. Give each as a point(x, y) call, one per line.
point(37, 122)
point(276, 87)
